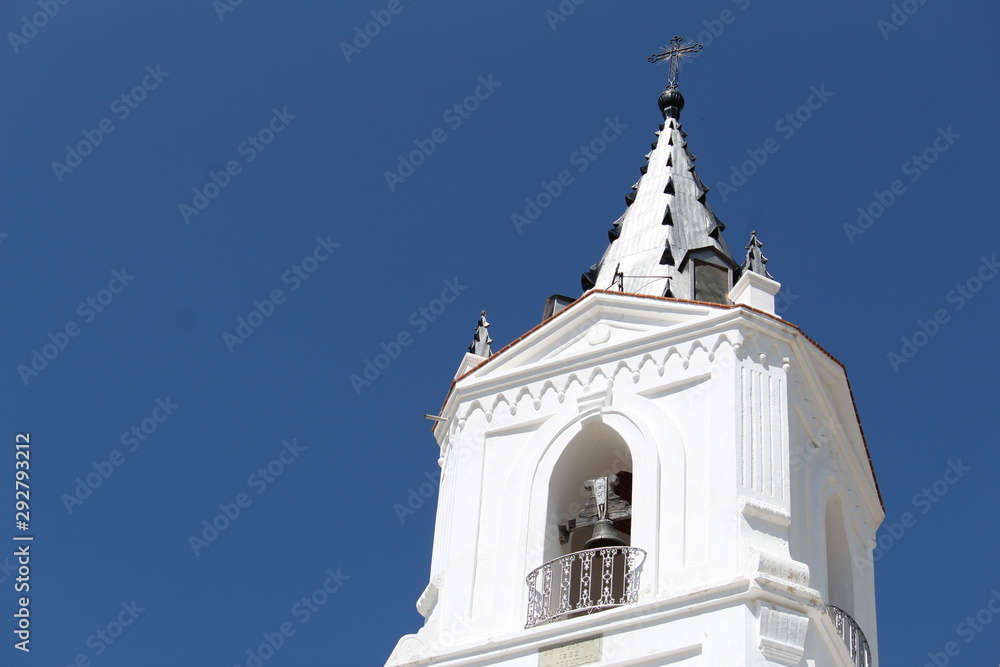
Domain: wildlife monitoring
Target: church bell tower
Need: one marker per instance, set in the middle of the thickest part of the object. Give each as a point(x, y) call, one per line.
point(663, 472)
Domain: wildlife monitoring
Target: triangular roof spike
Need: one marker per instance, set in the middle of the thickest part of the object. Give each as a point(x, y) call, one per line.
point(698, 183)
point(481, 341)
point(668, 292)
point(755, 259)
point(667, 257)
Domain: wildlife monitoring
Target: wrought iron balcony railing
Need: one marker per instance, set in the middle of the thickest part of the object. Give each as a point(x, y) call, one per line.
point(855, 640)
point(584, 582)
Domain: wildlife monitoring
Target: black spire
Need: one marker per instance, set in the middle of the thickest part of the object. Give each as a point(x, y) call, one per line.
point(755, 260)
point(481, 340)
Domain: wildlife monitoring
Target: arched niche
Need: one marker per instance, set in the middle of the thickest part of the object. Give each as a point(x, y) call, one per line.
point(597, 450)
point(839, 571)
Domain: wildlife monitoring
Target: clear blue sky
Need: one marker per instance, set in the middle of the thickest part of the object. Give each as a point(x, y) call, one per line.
point(324, 133)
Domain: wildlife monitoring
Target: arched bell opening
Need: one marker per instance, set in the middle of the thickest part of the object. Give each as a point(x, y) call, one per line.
point(598, 451)
point(590, 563)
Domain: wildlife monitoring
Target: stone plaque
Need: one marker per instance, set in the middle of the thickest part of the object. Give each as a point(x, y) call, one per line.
point(583, 652)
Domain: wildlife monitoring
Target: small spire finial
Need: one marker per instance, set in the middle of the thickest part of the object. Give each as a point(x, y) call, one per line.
point(674, 53)
point(481, 341)
point(755, 260)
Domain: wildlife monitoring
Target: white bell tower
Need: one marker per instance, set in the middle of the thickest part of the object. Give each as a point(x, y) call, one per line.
point(663, 472)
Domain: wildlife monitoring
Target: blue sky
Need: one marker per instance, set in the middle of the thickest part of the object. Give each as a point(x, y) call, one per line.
point(213, 350)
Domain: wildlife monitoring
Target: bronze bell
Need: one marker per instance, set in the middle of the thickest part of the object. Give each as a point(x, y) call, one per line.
point(604, 535)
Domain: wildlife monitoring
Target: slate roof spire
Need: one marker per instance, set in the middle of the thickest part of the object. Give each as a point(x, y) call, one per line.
point(755, 260)
point(668, 230)
point(481, 341)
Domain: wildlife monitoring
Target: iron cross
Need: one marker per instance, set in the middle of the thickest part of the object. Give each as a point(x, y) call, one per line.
point(674, 54)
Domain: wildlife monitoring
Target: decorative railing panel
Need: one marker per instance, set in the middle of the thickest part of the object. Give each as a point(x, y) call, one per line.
point(851, 633)
point(584, 582)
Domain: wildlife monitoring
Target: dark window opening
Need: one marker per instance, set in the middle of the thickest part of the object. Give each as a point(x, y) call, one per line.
point(711, 283)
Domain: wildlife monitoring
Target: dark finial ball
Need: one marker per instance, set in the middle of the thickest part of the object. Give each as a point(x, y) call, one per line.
point(671, 97)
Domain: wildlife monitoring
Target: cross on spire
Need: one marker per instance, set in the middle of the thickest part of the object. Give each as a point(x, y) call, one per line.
point(676, 51)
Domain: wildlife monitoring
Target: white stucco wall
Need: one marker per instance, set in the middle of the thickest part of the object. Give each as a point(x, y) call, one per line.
point(738, 431)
